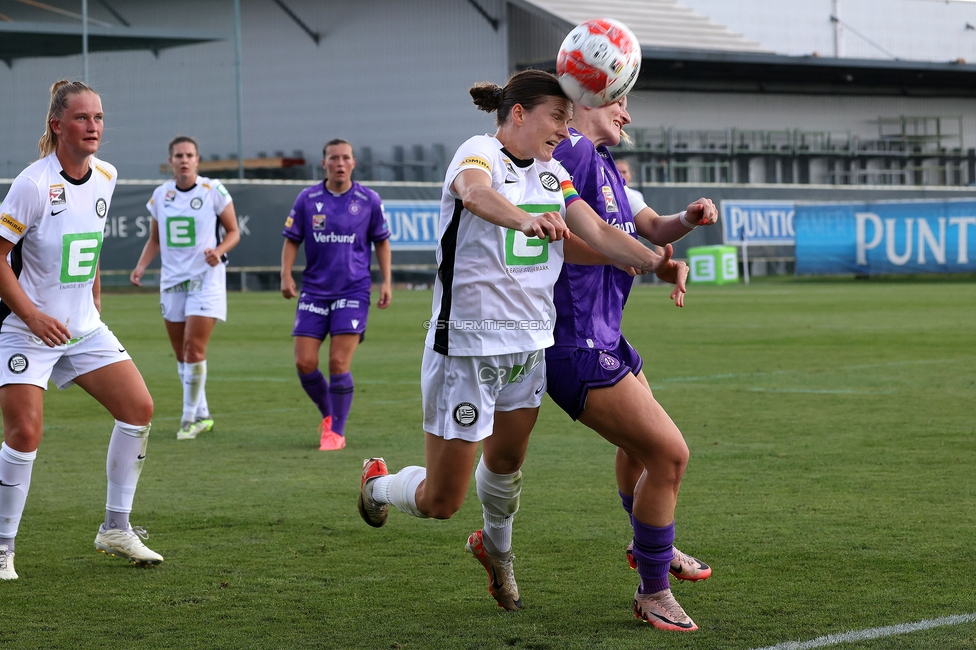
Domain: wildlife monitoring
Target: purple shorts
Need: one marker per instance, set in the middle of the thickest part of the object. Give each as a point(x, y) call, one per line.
point(571, 376)
point(320, 317)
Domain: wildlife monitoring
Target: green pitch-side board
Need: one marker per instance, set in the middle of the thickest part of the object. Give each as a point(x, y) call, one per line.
point(713, 264)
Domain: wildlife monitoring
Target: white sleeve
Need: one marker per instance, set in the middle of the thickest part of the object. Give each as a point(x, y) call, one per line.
point(20, 209)
point(220, 197)
point(636, 200)
point(477, 153)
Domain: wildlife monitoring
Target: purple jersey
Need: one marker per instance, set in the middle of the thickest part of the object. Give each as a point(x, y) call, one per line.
point(337, 231)
point(590, 299)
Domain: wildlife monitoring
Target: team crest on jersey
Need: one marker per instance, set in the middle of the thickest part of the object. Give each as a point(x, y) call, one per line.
point(196, 203)
point(465, 414)
point(318, 222)
point(354, 208)
point(549, 181)
point(608, 361)
point(56, 192)
point(101, 208)
point(17, 363)
point(170, 195)
point(610, 199)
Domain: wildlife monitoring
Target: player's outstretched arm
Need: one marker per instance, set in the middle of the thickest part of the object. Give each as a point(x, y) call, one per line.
point(663, 230)
point(149, 253)
point(609, 241)
point(482, 200)
point(50, 330)
point(289, 253)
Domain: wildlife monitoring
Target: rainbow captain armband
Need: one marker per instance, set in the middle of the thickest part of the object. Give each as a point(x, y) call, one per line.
point(570, 195)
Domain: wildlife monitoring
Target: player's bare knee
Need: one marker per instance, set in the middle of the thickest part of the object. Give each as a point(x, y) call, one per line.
point(306, 366)
point(339, 366)
point(442, 510)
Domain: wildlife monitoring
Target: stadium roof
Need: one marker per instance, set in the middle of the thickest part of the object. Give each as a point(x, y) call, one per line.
point(656, 23)
point(19, 40)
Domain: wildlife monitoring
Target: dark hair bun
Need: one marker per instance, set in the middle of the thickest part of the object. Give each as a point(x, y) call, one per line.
point(486, 96)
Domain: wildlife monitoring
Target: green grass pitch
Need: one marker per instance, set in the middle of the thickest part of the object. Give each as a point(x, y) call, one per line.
point(833, 441)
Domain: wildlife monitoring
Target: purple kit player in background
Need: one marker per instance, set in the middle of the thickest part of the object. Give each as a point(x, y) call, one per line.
point(337, 220)
point(592, 369)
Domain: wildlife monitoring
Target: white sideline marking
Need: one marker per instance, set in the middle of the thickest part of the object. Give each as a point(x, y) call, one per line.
point(818, 391)
point(873, 633)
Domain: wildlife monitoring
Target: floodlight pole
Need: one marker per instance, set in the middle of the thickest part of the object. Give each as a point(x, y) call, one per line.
point(240, 89)
point(84, 37)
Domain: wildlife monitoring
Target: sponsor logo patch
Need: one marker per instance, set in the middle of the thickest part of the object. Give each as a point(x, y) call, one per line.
point(12, 223)
point(104, 172)
point(17, 363)
point(318, 222)
point(196, 203)
point(465, 414)
point(79, 256)
point(222, 189)
point(56, 192)
point(101, 208)
point(181, 232)
point(610, 199)
point(477, 161)
point(290, 220)
point(549, 181)
point(170, 195)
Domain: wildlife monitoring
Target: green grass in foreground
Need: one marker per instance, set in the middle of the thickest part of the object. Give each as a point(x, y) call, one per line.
point(833, 443)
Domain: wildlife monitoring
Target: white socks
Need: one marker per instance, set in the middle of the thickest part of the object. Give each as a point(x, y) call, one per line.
point(15, 478)
point(400, 489)
point(126, 454)
point(499, 496)
point(203, 409)
point(194, 385)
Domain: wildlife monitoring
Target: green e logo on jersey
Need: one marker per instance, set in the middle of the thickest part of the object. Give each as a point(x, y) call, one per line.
point(79, 256)
point(525, 251)
point(181, 232)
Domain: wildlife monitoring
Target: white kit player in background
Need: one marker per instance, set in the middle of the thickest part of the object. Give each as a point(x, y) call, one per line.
point(194, 213)
point(51, 225)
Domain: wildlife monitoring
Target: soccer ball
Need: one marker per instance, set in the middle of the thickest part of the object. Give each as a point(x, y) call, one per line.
point(598, 62)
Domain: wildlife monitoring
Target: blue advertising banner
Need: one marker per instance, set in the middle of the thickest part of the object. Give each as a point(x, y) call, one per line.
point(413, 224)
point(886, 237)
point(758, 222)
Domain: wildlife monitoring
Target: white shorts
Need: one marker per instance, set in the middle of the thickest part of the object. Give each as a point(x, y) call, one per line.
point(202, 296)
point(25, 360)
point(461, 394)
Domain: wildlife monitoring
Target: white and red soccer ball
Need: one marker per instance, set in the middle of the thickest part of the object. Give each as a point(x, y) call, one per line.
point(598, 62)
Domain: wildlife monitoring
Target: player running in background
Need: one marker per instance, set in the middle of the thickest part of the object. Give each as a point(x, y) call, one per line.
point(592, 369)
point(193, 279)
point(51, 226)
point(337, 220)
point(505, 208)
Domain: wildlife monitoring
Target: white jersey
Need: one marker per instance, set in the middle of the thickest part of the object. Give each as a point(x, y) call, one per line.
point(188, 225)
point(493, 291)
point(57, 223)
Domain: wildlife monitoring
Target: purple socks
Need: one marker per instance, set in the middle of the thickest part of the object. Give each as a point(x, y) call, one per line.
point(627, 500)
point(318, 390)
point(340, 398)
point(653, 550)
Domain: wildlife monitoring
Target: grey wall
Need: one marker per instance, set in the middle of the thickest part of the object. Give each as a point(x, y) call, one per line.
point(386, 72)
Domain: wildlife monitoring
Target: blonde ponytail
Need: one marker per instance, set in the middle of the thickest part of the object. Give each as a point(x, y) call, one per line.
point(60, 92)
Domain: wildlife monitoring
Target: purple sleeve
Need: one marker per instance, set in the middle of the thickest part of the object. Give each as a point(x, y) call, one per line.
point(295, 223)
point(378, 230)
